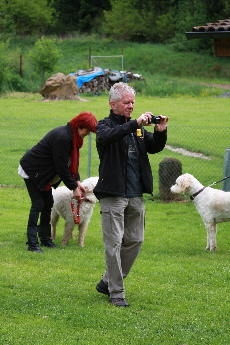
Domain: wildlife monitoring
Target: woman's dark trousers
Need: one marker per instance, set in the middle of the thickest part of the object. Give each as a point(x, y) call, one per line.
point(41, 204)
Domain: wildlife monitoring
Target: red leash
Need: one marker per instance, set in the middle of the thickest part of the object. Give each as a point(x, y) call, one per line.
point(75, 206)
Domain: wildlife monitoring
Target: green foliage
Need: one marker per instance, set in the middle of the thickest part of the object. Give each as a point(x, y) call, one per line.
point(4, 63)
point(142, 21)
point(119, 24)
point(79, 15)
point(166, 25)
point(26, 16)
point(16, 83)
point(45, 55)
point(150, 60)
point(162, 86)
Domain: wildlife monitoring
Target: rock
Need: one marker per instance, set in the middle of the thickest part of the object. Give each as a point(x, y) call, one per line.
point(60, 87)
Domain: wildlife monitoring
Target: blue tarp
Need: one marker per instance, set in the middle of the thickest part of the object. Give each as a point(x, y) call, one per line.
point(81, 79)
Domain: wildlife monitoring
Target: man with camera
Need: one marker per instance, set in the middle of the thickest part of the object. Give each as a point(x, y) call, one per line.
point(124, 175)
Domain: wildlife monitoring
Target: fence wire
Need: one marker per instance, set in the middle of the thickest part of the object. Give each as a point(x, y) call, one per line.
point(200, 150)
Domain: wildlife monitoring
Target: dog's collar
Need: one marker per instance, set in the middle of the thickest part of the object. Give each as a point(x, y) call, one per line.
point(195, 194)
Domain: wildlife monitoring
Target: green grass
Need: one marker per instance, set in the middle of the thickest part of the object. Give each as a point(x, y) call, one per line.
point(178, 292)
point(199, 124)
point(161, 66)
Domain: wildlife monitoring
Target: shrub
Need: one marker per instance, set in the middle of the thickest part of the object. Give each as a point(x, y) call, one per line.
point(45, 55)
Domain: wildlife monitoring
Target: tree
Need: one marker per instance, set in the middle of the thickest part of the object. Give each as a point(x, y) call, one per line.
point(4, 63)
point(123, 21)
point(28, 16)
point(44, 56)
point(80, 15)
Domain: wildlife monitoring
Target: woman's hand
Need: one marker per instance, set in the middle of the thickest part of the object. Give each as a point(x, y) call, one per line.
point(79, 192)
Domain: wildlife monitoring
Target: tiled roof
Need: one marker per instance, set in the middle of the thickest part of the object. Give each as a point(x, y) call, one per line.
point(217, 30)
point(220, 25)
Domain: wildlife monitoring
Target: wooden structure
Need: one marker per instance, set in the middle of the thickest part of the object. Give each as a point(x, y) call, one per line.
point(219, 32)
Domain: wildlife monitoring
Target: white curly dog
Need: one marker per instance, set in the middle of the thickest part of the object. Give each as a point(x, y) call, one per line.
point(62, 207)
point(213, 205)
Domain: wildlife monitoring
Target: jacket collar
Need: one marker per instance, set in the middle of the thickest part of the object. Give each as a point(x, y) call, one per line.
point(119, 119)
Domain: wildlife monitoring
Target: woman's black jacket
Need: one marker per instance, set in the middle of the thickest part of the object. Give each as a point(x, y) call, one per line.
point(51, 157)
point(112, 145)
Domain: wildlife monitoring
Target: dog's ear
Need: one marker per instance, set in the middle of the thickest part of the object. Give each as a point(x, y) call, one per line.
point(185, 183)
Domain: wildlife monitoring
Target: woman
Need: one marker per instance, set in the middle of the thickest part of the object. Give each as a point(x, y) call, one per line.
point(55, 158)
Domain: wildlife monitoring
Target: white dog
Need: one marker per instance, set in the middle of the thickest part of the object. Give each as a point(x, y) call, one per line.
point(62, 207)
point(213, 205)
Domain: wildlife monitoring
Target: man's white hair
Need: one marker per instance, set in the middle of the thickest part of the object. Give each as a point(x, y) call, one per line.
point(115, 93)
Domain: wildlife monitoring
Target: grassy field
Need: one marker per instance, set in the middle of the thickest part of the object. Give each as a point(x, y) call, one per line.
point(199, 124)
point(166, 71)
point(178, 292)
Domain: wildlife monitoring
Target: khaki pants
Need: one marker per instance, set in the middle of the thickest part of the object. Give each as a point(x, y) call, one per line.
point(123, 234)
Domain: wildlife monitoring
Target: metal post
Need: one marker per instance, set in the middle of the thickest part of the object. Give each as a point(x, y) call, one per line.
point(226, 183)
point(20, 71)
point(89, 153)
point(90, 61)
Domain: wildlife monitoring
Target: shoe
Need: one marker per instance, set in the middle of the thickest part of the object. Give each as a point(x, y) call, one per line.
point(102, 288)
point(119, 302)
point(34, 248)
point(32, 243)
point(44, 233)
point(49, 243)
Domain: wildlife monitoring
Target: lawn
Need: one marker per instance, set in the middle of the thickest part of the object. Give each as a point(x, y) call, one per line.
point(199, 124)
point(178, 292)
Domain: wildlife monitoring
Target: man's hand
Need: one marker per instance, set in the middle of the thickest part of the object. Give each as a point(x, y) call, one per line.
point(162, 125)
point(144, 119)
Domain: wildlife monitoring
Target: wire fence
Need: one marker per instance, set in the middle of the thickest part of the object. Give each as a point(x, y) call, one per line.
point(200, 150)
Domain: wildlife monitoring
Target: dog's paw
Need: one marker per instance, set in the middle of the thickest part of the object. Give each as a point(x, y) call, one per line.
point(211, 249)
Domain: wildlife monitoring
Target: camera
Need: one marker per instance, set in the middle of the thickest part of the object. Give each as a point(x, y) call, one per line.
point(154, 119)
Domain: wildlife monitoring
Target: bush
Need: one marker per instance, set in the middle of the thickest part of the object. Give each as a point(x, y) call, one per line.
point(17, 83)
point(45, 55)
point(4, 63)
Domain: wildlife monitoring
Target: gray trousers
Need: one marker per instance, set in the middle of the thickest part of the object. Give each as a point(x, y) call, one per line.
point(123, 235)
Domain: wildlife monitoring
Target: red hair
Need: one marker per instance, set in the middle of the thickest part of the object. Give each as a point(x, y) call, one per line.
point(84, 120)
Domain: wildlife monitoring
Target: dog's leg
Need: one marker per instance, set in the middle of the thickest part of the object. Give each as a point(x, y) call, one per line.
point(69, 226)
point(81, 233)
point(53, 222)
point(211, 236)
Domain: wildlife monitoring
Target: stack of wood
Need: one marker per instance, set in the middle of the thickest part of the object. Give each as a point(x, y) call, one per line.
point(99, 83)
point(105, 81)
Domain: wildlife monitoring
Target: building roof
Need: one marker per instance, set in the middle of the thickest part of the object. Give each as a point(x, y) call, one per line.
point(217, 30)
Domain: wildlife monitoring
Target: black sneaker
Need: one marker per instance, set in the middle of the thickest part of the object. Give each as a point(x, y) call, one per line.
point(119, 302)
point(102, 288)
point(48, 243)
point(35, 249)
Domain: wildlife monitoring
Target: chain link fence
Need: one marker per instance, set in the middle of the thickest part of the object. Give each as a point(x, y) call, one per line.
point(200, 150)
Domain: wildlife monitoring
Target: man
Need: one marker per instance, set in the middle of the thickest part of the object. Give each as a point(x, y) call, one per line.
point(53, 159)
point(124, 174)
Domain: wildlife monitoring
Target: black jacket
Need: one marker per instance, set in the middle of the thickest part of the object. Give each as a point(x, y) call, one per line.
point(112, 145)
point(51, 157)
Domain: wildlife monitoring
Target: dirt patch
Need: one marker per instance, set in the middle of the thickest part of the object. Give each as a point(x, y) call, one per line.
point(221, 86)
point(186, 152)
